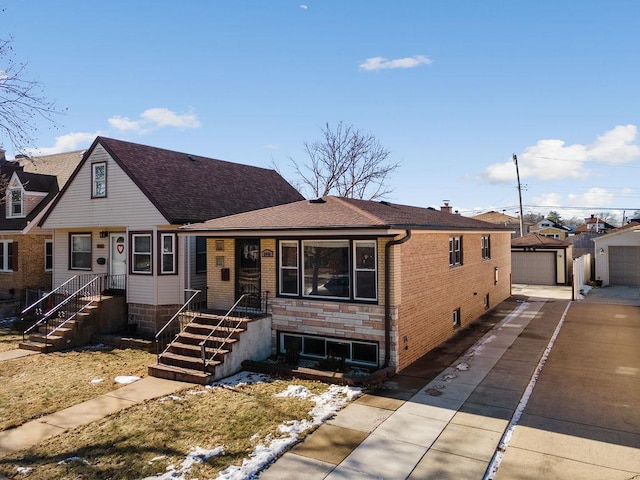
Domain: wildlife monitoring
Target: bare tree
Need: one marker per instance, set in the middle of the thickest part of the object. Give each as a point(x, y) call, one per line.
point(22, 101)
point(532, 217)
point(345, 162)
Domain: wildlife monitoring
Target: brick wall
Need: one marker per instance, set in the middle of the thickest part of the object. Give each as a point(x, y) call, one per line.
point(150, 318)
point(30, 272)
point(430, 290)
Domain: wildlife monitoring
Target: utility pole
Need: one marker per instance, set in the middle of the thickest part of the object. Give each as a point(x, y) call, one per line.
point(515, 160)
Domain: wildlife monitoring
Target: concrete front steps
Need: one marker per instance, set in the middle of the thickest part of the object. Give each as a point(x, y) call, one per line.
point(63, 338)
point(182, 360)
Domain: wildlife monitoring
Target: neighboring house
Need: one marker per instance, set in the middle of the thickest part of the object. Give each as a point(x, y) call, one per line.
point(25, 249)
point(618, 256)
point(119, 213)
point(504, 219)
point(541, 260)
point(551, 229)
point(376, 283)
point(593, 224)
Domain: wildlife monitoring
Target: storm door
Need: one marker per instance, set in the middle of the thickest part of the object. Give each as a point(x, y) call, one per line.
point(117, 261)
point(248, 271)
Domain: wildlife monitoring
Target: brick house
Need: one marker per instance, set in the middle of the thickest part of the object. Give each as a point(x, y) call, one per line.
point(119, 213)
point(376, 283)
point(500, 218)
point(25, 249)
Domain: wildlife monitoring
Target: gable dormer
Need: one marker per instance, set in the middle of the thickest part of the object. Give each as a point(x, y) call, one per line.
point(15, 198)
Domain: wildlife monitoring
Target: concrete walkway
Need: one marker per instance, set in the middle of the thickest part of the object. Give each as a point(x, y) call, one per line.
point(448, 425)
point(33, 432)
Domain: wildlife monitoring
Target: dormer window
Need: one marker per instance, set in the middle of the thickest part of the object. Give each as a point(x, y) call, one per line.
point(15, 203)
point(99, 180)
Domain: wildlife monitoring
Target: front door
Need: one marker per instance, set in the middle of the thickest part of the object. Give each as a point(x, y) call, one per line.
point(117, 260)
point(248, 268)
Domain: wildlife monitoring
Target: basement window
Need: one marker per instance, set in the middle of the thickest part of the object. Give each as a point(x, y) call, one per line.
point(456, 318)
point(316, 347)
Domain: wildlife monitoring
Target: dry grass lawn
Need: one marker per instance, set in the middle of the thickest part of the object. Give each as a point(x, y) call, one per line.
point(9, 339)
point(143, 440)
point(41, 384)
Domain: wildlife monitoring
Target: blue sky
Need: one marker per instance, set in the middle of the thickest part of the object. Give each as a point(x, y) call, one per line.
point(453, 89)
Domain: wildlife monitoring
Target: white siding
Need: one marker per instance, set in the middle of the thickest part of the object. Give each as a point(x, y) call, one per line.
point(146, 289)
point(125, 204)
point(627, 238)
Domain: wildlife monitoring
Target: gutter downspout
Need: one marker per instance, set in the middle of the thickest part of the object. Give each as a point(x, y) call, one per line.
point(387, 294)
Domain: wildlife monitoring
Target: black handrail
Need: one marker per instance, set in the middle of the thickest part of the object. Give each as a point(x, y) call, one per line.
point(65, 302)
point(176, 324)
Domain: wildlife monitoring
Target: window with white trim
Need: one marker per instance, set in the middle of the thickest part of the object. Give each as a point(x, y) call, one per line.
point(80, 251)
point(141, 253)
point(289, 268)
point(6, 256)
point(328, 268)
point(455, 251)
point(168, 260)
point(99, 180)
point(15, 203)
point(310, 346)
point(48, 255)
point(364, 266)
point(486, 247)
point(456, 318)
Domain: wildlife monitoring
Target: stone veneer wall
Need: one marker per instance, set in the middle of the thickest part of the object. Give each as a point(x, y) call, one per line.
point(150, 318)
point(351, 321)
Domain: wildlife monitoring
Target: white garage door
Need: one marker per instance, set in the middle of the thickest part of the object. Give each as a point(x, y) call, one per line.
point(624, 266)
point(535, 268)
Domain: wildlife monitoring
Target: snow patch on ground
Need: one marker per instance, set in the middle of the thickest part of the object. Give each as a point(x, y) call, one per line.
point(126, 379)
point(196, 455)
point(326, 406)
point(24, 470)
point(95, 381)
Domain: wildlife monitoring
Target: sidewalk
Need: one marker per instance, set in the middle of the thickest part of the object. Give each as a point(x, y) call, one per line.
point(443, 425)
point(84, 413)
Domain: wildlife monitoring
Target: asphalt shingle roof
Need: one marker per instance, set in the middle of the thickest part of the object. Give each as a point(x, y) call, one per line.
point(536, 240)
point(188, 188)
point(336, 213)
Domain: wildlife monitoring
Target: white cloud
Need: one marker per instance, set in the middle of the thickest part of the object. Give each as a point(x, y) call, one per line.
point(124, 124)
point(552, 159)
point(153, 119)
point(548, 200)
point(67, 143)
point(381, 63)
point(163, 117)
point(304, 7)
point(594, 197)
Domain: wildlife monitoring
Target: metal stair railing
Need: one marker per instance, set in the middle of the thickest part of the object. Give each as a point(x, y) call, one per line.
point(203, 345)
point(167, 334)
point(65, 301)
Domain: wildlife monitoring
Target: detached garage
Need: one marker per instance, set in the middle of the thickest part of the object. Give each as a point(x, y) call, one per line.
point(540, 260)
point(618, 256)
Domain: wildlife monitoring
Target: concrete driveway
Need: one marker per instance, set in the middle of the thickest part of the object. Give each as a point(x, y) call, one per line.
point(582, 419)
point(485, 404)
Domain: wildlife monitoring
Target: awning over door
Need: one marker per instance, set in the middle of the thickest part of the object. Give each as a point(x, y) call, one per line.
point(535, 268)
point(624, 266)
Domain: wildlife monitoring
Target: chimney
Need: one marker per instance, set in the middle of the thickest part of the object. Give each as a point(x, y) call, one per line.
point(446, 208)
point(2, 152)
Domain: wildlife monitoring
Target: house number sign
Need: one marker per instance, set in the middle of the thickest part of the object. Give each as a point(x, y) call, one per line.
point(267, 253)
